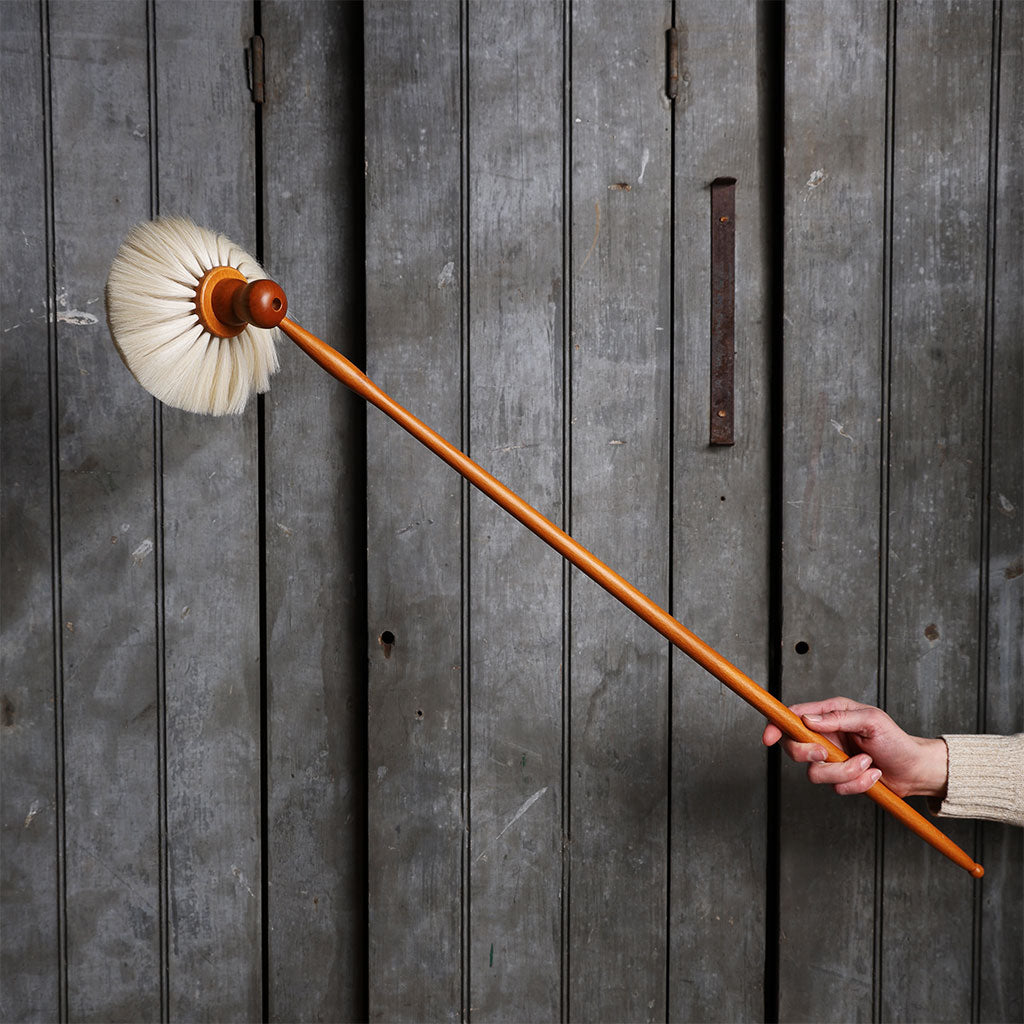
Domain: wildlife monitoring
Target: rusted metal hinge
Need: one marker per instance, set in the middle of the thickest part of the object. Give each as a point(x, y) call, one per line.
point(723, 309)
point(254, 63)
point(672, 60)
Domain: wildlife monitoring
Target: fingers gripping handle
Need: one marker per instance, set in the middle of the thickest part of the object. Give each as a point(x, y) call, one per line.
point(795, 729)
point(690, 644)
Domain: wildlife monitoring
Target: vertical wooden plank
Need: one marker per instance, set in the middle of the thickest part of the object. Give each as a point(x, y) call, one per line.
point(835, 390)
point(1001, 946)
point(620, 508)
point(515, 147)
point(719, 527)
point(30, 809)
point(937, 452)
point(414, 321)
point(210, 513)
point(101, 161)
point(316, 525)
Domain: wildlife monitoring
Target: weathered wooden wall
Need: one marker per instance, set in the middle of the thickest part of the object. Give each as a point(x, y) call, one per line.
point(295, 725)
point(183, 652)
point(903, 440)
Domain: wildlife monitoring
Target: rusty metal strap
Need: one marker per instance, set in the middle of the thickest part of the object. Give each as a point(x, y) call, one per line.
point(723, 315)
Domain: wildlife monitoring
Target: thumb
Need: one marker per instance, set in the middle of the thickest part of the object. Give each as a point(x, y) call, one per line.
point(865, 722)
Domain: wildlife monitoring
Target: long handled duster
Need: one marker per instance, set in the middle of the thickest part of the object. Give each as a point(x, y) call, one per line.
point(194, 319)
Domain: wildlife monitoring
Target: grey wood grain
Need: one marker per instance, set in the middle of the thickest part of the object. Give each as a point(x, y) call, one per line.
point(211, 552)
point(315, 539)
point(834, 400)
point(1001, 944)
point(719, 529)
point(620, 508)
point(936, 458)
point(415, 271)
point(106, 523)
point(31, 809)
point(514, 585)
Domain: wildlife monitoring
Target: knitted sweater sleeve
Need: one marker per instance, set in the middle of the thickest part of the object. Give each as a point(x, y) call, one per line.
point(986, 778)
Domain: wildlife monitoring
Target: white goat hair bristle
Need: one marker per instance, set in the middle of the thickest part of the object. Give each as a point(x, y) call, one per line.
point(152, 316)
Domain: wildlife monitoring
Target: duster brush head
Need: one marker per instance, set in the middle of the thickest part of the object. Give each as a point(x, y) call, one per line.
point(175, 313)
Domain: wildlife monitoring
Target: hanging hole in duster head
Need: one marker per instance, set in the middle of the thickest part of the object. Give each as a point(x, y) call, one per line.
point(801, 647)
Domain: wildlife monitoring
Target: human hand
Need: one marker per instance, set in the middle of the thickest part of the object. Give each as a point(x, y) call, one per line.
point(877, 747)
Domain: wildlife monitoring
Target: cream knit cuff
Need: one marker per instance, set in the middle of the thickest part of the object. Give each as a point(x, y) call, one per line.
point(986, 778)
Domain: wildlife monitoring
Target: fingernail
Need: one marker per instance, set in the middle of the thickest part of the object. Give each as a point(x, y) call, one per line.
point(820, 754)
point(864, 762)
point(874, 776)
point(812, 718)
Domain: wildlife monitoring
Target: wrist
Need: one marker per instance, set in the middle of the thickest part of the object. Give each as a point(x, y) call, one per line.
point(933, 768)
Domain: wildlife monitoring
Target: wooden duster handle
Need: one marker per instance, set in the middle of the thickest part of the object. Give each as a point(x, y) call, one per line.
point(773, 709)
